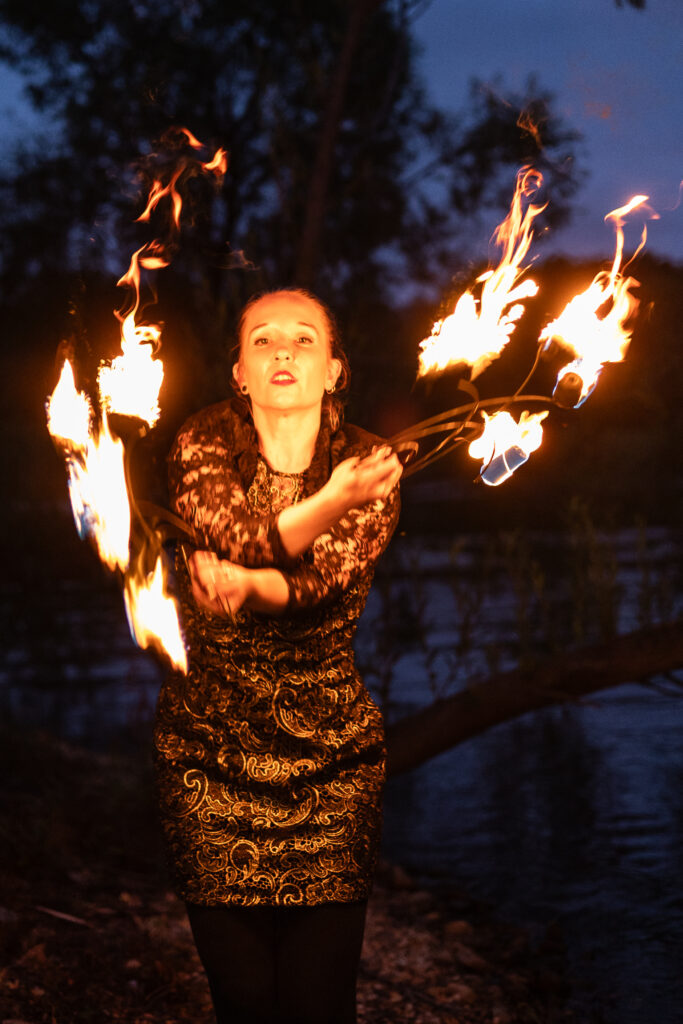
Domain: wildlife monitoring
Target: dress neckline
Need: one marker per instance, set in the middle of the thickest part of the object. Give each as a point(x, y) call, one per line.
point(280, 472)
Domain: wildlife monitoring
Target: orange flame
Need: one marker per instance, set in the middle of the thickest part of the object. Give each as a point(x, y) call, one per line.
point(130, 384)
point(219, 163)
point(476, 332)
point(97, 484)
point(595, 337)
point(158, 192)
point(99, 497)
point(69, 411)
point(153, 615)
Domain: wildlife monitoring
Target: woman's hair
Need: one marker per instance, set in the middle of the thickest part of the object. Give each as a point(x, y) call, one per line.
point(333, 404)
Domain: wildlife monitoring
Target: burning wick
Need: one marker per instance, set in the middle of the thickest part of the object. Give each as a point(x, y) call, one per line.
point(69, 411)
point(476, 333)
point(505, 445)
point(95, 467)
point(594, 339)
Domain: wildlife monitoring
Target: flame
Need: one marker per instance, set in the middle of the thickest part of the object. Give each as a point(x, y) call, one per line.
point(595, 337)
point(69, 411)
point(99, 497)
point(130, 385)
point(158, 192)
point(217, 166)
point(95, 459)
point(153, 615)
point(97, 482)
point(219, 163)
point(477, 331)
point(504, 445)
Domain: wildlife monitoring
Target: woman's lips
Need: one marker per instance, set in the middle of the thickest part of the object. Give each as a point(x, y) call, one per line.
point(282, 377)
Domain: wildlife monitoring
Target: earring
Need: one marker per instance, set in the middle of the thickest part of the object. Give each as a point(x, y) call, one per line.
point(330, 391)
point(244, 389)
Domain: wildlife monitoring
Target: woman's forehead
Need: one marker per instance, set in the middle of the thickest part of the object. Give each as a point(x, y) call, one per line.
point(286, 307)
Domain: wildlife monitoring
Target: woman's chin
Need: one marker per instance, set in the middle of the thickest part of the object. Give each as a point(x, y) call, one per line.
point(282, 399)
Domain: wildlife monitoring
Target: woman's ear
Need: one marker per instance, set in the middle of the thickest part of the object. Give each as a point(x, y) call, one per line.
point(238, 374)
point(334, 369)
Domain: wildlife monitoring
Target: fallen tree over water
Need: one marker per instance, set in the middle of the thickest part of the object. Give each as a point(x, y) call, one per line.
point(637, 657)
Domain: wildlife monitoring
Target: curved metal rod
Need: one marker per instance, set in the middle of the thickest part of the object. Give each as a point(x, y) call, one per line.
point(414, 432)
point(175, 527)
point(411, 436)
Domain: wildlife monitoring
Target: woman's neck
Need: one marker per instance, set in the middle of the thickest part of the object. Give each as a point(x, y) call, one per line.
point(287, 439)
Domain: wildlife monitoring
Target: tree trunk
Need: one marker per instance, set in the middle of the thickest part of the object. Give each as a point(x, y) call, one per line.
point(447, 722)
point(311, 235)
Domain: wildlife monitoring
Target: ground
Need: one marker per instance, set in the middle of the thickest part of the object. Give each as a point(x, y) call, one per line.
point(91, 932)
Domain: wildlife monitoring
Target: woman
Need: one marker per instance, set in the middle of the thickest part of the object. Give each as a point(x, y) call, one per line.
point(270, 751)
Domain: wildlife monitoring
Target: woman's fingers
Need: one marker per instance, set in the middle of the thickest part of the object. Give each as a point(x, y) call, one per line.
point(217, 584)
point(211, 579)
point(380, 472)
point(203, 570)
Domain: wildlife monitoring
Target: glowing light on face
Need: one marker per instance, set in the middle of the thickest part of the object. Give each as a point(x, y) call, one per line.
point(285, 359)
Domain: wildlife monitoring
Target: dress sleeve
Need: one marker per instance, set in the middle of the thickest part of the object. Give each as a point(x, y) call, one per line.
point(206, 491)
point(339, 558)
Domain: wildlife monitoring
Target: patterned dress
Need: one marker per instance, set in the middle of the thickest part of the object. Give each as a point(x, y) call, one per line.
point(270, 752)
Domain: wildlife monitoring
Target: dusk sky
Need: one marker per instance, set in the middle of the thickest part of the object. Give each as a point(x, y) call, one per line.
point(617, 76)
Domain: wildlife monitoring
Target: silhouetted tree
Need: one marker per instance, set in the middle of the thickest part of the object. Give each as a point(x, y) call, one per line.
point(335, 149)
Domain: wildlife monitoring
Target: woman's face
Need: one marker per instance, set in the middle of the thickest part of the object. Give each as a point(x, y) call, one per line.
point(285, 358)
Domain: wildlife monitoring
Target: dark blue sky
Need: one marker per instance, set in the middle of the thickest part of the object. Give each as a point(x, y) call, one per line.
point(617, 75)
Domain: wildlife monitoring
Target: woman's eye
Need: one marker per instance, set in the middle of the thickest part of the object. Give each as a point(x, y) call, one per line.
point(261, 341)
point(305, 340)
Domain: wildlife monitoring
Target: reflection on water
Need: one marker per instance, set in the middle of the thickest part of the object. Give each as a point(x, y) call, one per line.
point(573, 814)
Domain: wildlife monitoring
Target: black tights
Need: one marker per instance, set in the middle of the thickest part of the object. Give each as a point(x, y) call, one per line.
point(281, 965)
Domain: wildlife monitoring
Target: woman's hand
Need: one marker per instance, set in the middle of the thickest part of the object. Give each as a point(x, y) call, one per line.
point(218, 586)
point(355, 481)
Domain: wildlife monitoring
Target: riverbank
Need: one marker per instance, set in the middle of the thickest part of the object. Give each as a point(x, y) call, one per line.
point(90, 931)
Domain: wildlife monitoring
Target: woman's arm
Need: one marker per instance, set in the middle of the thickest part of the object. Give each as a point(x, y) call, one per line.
point(223, 588)
point(353, 483)
point(343, 555)
point(338, 559)
point(207, 493)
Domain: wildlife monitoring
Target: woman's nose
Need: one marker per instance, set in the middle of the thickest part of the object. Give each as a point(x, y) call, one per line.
point(283, 352)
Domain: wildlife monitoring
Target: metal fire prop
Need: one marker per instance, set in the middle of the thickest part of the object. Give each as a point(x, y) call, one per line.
point(98, 460)
point(96, 440)
point(594, 328)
